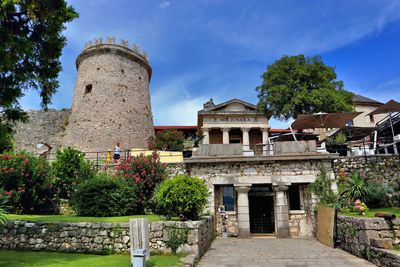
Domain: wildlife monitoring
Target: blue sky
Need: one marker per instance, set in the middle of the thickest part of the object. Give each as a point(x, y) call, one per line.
point(218, 48)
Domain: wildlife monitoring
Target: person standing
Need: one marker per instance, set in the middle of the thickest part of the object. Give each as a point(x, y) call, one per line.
point(117, 153)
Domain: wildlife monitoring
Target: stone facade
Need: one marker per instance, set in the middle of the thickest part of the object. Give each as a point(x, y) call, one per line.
point(370, 238)
point(276, 172)
point(378, 168)
point(99, 238)
point(111, 100)
point(43, 127)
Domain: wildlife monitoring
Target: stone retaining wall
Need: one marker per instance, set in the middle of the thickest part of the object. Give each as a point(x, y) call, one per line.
point(100, 238)
point(378, 168)
point(370, 238)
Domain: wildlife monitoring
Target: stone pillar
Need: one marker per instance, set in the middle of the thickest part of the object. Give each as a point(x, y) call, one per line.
point(243, 209)
point(225, 135)
point(246, 139)
point(281, 211)
point(265, 142)
point(206, 133)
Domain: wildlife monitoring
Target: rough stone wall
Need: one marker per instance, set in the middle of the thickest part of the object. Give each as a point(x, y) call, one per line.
point(363, 120)
point(111, 100)
point(99, 238)
point(378, 168)
point(174, 169)
point(256, 172)
point(370, 238)
point(43, 126)
point(232, 220)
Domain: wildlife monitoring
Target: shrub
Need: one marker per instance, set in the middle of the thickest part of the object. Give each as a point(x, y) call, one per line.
point(322, 188)
point(176, 238)
point(143, 173)
point(378, 195)
point(25, 179)
point(103, 196)
point(3, 200)
point(6, 139)
point(182, 195)
point(358, 187)
point(69, 170)
point(167, 140)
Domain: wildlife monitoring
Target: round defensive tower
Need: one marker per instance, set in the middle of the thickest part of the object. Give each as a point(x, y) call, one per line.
point(111, 100)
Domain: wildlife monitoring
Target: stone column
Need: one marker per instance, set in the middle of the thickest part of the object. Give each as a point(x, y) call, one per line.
point(225, 135)
point(243, 209)
point(246, 139)
point(206, 133)
point(281, 211)
point(265, 142)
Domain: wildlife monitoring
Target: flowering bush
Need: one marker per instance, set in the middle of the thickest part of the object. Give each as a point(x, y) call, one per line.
point(25, 179)
point(69, 170)
point(143, 173)
point(360, 207)
point(167, 140)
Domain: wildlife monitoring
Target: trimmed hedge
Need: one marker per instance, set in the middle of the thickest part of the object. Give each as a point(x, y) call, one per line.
point(105, 196)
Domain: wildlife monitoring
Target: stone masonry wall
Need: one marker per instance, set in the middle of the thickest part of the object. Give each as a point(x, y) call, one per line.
point(370, 238)
point(111, 100)
point(99, 238)
point(378, 168)
point(43, 126)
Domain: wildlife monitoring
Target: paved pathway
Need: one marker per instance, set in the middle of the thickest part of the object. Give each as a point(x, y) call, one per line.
point(276, 252)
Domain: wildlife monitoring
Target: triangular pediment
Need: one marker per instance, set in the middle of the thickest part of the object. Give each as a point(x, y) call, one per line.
point(233, 105)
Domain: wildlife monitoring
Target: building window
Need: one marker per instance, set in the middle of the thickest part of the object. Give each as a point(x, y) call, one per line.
point(88, 89)
point(295, 199)
point(371, 118)
point(228, 198)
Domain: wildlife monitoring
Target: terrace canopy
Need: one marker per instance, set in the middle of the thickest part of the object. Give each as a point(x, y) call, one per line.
point(354, 133)
point(323, 120)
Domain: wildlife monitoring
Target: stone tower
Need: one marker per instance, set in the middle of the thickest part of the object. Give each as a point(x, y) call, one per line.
point(111, 98)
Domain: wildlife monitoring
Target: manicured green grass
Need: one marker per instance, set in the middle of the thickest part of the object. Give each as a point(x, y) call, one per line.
point(72, 218)
point(371, 212)
point(52, 259)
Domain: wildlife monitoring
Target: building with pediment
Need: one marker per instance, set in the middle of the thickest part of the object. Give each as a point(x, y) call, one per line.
point(233, 122)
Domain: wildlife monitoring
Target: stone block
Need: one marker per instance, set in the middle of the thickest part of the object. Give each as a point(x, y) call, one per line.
point(381, 243)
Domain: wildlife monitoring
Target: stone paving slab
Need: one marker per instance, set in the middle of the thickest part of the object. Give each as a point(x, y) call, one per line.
point(258, 252)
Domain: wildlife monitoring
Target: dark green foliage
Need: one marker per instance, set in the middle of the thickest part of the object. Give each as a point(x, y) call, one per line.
point(69, 170)
point(26, 180)
point(378, 196)
point(358, 187)
point(182, 195)
point(3, 201)
point(105, 196)
point(30, 47)
point(322, 188)
point(6, 140)
point(296, 85)
point(171, 140)
point(176, 238)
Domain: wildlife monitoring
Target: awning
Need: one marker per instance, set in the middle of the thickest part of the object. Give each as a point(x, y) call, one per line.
point(389, 107)
point(354, 133)
point(323, 120)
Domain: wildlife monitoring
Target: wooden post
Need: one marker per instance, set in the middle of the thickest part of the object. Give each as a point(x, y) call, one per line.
point(139, 236)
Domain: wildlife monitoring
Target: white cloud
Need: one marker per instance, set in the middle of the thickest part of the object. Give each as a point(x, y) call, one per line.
point(173, 104)
point(164, 4)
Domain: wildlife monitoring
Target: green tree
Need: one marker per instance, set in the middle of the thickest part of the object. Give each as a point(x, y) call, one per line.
point(30, 47)
point(295, 85)
point(6, 140)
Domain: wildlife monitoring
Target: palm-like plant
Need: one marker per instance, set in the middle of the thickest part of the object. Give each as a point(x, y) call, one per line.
point(2, 211)
point(358, 187)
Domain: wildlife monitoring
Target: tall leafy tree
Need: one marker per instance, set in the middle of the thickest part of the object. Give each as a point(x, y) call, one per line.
point(31, 44)
point(296, 85)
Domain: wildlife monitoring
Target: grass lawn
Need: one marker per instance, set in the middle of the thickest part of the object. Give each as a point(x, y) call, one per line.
point(73, 218)
point(53, 259)
point(371, 212)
